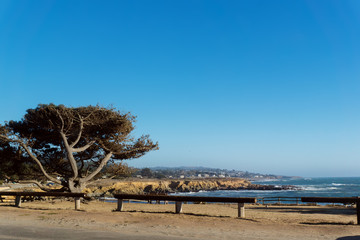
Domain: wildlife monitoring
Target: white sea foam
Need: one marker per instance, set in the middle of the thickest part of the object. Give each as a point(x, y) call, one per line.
point(339, 184)
point(313, 188)
point(319, 187)
point(107, 198)
point(343, 184)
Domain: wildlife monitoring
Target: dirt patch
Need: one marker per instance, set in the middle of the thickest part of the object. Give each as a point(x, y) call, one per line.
point(199, 221)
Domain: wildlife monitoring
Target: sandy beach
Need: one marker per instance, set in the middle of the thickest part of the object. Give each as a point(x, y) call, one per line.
point(96, 220)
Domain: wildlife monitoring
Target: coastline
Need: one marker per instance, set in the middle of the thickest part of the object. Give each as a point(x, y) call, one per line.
point(104, 188)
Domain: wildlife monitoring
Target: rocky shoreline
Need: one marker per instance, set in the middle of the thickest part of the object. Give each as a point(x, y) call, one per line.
point(174, 186)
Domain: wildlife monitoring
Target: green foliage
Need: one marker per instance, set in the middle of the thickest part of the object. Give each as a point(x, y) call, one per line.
point(146, 172)
point(71, 143)
point(13, 164)
point(159, 175)
point(118, 170)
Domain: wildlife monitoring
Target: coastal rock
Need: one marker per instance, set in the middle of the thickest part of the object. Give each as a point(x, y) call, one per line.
point(172, 186)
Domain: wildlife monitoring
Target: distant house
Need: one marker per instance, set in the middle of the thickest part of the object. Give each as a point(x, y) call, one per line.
point(182, 176)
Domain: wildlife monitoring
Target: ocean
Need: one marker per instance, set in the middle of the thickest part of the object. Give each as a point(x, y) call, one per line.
point(308, 187)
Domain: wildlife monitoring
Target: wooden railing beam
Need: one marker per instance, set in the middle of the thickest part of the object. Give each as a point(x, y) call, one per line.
point(18, 196)
point(180, 199)
point(344, 200)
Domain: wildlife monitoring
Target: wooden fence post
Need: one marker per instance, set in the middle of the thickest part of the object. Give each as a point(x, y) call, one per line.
point(18, 201)
point(241, 210)
point(119, 205)
point(77, 203)
point(178, 207)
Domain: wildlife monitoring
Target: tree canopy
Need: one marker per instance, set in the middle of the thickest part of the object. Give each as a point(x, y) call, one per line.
point(71, 145)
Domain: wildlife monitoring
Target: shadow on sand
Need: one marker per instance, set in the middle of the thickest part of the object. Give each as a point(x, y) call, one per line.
point(184, 213)
point(309, 210)
point(328, 223)
point(349, 238)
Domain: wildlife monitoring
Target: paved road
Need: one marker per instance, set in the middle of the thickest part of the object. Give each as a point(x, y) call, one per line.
point(11, 232)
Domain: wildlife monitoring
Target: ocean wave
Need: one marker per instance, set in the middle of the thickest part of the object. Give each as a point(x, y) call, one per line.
point(319, 187)
point(259, 191)
point(339, 184)
point(344, 184)
point(186, 193)
point(313, 188)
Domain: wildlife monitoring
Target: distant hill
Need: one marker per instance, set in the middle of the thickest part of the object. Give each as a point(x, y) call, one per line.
point(206, 172)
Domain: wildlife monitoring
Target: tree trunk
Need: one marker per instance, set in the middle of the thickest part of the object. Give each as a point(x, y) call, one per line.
point(76, 186)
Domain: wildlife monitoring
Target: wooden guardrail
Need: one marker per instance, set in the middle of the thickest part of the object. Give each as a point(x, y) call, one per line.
point(18, 196)
point(180, 199)
point(279, 200)
point(344, 200)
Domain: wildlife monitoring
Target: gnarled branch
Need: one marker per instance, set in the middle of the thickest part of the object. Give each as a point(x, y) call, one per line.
point(71, 158)
point(33, 157)
point(80, 132)
point(98, 169)
point(81, 149)
point(41, 186)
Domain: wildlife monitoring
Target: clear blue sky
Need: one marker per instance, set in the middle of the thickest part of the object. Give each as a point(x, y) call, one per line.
point(263, 86)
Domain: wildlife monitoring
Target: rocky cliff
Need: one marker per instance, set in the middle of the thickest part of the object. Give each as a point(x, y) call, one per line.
point(171, 186)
